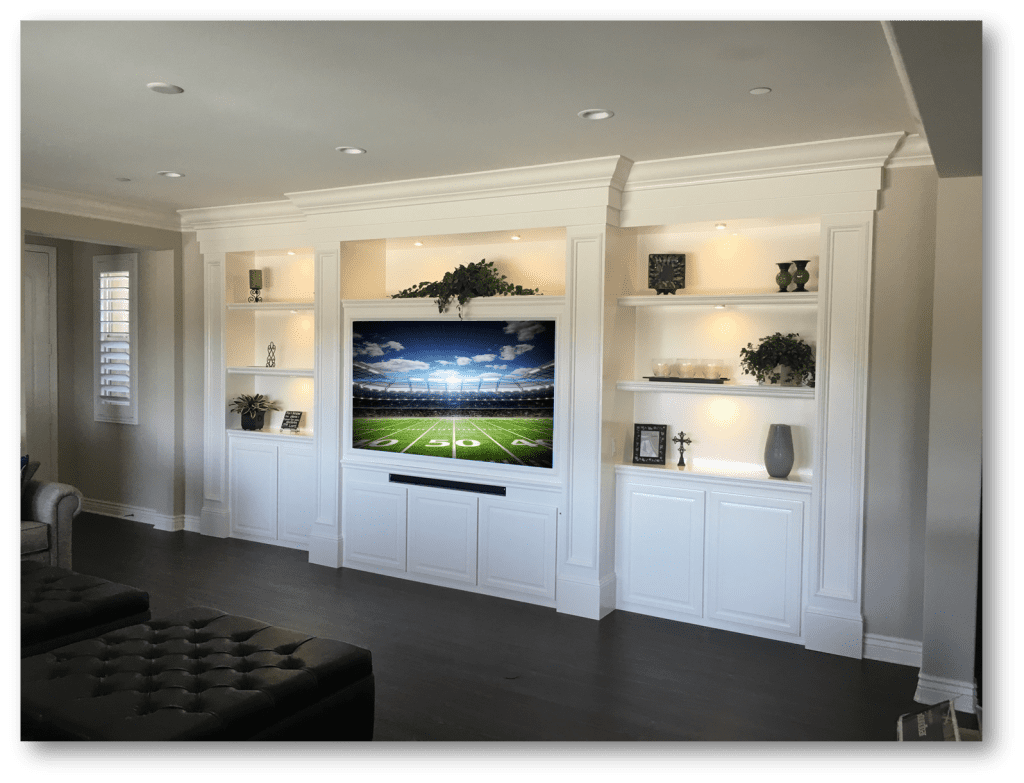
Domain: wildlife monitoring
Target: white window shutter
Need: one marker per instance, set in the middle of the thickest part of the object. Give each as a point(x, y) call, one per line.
point(116, 356)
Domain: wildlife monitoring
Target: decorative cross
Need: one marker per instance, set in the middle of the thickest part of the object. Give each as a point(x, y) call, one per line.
point(682, 440)
point(271, 359)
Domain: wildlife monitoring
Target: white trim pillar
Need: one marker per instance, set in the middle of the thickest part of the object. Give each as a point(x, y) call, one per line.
point(586, 568)
point(833, 615)
point(325, 542)
point(214, 519)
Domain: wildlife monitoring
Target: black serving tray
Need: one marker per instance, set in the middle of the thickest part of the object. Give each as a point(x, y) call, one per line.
point(685, 380)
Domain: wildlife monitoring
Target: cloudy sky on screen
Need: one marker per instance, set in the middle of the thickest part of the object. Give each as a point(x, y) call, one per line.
point(436, 350)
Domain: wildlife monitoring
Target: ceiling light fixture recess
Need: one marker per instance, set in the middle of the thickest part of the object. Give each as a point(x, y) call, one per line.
point(720, 226)
point(760, 90)
point(596, 114)
point(516, 237)
point(165, 88)
point(171, 174)
point(351, 150)
point(418, 244)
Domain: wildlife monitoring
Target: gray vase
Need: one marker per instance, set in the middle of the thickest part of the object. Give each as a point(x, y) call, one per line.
point(778, 451)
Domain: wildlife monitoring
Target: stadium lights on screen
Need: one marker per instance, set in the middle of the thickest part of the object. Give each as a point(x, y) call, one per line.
point(475, 390)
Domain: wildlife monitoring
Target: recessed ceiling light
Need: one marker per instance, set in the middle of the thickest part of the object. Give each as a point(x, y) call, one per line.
point(291, 252)
point(516, 236)
point(165, 88)
point(760, 90)
point(122, 179)
point(719, 307)
point(596, 114)
point(418, 244)
point(351, 150)
point(171, 174)
point(720, 226)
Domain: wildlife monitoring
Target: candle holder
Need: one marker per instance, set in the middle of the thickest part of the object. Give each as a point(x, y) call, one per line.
point(255, 285)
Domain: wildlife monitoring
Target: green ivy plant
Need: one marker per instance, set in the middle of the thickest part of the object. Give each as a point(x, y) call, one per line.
point(253, 404)
point(775, 350)
point(466, 282)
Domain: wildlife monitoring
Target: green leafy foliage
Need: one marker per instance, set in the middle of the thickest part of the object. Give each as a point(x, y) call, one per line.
point(464, 283)
point(251, 404)
point(777, 350)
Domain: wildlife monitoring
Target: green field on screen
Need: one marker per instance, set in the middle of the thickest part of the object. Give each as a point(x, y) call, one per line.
point(513, 441)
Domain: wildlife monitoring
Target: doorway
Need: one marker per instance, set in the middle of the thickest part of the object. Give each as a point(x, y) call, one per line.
point(39, 358)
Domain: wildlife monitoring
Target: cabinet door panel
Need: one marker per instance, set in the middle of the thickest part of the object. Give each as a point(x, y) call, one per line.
point(254, 490)
point(517, 547)
point(442, 534)
point(661, 555)
point(754, 561)
point(374, 525)
point(296, 470)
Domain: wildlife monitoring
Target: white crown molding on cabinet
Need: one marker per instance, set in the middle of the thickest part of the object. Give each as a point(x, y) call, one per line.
point(579, 175)
point(861, 152)
point(239, 215)
point(64, 203)
point(913, 151)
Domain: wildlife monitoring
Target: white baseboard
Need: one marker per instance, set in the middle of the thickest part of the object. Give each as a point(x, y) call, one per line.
point(890, 649)
point(833, 633)
point(135, 513)
point(326, 551)
point(192, 523)
point(585, 599)
point(931, 690)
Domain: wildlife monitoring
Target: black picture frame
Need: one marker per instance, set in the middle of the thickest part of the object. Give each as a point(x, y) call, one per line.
point(649, 442)
point(666, 272)
point(291, 420)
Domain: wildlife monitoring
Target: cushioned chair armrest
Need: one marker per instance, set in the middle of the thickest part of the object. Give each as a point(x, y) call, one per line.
point(56, 505)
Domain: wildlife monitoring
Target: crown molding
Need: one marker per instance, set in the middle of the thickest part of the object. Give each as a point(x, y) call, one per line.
point(235, 215)
point(860, 152)
point(594, 173)
point(913, 151)
point(80, 205)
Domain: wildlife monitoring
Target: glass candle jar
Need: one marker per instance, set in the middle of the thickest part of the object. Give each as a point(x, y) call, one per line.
point(662, 368)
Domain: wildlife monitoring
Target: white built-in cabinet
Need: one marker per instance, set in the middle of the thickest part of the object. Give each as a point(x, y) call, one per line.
point(718, 543)
point(273, 488)
point(703, 550)
point(453, 538)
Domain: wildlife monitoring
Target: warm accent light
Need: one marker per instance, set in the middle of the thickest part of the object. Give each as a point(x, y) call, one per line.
point(171, 174)
point(516, 237)
point(351, 150)
point(596, 114)
point(720, 226)
point(418, 244)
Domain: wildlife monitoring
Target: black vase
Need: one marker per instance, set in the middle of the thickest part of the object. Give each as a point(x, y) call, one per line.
point(783, 278)
point(253, 422)
point(801, 275)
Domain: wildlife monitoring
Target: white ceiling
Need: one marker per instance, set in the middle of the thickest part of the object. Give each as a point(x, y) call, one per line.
point(266, 103)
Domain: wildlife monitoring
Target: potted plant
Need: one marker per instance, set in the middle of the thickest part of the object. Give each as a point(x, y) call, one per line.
point(466, 282)
point(253, 408)
point(777, 352)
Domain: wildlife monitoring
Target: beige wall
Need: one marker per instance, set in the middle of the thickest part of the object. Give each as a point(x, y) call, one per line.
point(143, 465)
point(955, 436)
point(898, 400)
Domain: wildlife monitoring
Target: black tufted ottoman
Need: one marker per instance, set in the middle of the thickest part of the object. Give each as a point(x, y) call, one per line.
point(59, 607)
point(199, 674)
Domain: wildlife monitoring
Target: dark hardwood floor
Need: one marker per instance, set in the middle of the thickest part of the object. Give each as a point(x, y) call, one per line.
point(451, 665)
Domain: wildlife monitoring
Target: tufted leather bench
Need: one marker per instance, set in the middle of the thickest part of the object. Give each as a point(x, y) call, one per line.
point(199, 674)
point(60, 606)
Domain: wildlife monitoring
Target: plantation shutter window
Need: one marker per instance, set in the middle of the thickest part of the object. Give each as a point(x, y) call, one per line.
point(116, 338)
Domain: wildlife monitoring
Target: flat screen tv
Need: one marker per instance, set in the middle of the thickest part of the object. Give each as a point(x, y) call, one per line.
point(472, 390)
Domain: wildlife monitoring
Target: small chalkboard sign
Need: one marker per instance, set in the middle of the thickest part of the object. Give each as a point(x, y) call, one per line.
point(291, 420)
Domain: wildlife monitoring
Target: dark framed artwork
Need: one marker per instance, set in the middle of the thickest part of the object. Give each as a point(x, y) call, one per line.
point(649, 444)
point(291, 420)
point(666, 272)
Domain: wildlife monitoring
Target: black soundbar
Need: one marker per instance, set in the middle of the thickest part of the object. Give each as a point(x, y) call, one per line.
point(461, 486)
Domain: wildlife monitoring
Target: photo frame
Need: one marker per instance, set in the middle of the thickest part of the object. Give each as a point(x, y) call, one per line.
point(649, 442)
point(666, 272)
point(291, 420)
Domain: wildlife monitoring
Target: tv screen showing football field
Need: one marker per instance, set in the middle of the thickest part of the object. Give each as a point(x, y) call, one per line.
point(475, 390)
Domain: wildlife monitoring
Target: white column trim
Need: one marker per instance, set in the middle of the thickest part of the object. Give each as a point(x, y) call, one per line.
point(833, 619)
point(214, 515)
point(325, 540)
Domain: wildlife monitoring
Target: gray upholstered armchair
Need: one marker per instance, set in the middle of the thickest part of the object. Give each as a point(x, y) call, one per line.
point(47, 509)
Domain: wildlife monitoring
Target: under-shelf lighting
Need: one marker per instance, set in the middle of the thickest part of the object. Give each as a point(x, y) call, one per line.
point(516, 237)
point(720, 226)
point(719, 307)
point(418, 244)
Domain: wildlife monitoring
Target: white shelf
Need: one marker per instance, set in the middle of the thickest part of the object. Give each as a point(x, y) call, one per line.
point(793, 484)
point(807, 299)
point(294, 372)
point(667, 387)
point(302, 436)
point(270, 305)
